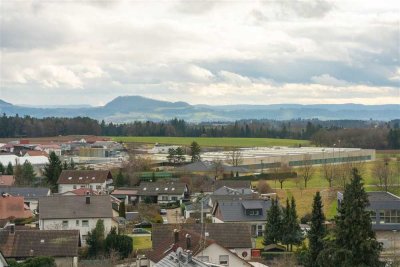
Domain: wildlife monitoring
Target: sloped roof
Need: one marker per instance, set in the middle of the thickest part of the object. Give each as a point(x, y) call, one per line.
point(84, 176)
point(224, 190)
point(234, 210)
point(382, 196)
point(6, 180)
point(13, 207)
point(65, 207)
point(32, 243)
point(164, 188)
point(35, 153)
point(26, 192)
point(228, 235)
point(81, 192)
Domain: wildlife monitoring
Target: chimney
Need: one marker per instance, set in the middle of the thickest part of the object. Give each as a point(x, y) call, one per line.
point(87, 199)
point(188, 242)
point(176, 236)
point(12, 228)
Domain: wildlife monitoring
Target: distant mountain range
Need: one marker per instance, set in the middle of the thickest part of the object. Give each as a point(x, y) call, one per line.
point(131, 108)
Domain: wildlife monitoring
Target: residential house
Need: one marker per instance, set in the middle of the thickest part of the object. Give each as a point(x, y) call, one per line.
point(6, 180)
point(75, 213)
point(70, 180)
point(24, 244)
point(234, 237)
point(12, 207)
point(384, 210)
point(163, 192)
point(199, 246)
point(48, 148)
point(251, 211)
point(31, 195)
point(127, 195)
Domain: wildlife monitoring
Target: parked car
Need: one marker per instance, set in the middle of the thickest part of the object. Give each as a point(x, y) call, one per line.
point(143, 224)
point(163, 212)
point(140, 231)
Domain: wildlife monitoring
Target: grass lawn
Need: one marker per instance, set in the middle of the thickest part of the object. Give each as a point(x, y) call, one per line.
point(210, 141)
point(141, 242)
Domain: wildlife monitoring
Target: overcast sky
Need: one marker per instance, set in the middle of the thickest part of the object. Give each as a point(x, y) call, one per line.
point(61, 52)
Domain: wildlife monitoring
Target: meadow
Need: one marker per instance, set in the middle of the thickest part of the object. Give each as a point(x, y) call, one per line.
point(213, 141)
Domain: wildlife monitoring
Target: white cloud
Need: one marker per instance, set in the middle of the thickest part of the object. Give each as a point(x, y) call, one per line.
point(240, 51)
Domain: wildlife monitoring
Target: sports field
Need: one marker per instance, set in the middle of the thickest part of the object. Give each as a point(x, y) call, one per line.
point(211, 141)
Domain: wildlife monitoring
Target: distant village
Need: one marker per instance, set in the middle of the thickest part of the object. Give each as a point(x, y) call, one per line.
point(92, 201)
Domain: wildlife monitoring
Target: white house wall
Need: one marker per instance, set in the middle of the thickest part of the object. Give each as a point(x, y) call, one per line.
point(214, 251)
point(56, 224)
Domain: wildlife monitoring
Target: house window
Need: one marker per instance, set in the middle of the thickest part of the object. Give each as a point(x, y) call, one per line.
point(98, 187)
point(224, 259)
point(84, 237)
point(65, 224)
point(174, 198)
point(74, 186)
point(85, 223)
point(91, 186)
point(253, 212)
point(389, 216)
point(164, 198)
point(82, 186)
point(77, 222)
point(259, 230)
point(204, 258)
point(372, 215)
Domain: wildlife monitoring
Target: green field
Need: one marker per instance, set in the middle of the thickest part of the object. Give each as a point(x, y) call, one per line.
point(211, 141)
point(141, 242)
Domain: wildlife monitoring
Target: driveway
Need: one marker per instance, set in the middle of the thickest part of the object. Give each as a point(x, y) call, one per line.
point(174, 216)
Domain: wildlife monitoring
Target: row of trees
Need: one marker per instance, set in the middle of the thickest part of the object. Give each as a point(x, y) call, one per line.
point(362, 134)
point(351, 243)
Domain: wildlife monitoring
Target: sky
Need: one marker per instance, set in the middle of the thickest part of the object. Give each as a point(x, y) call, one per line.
point(71, 52)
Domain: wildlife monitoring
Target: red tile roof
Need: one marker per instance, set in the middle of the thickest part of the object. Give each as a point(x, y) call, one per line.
point(6, 180)
point(13, 207)
point(36, 153)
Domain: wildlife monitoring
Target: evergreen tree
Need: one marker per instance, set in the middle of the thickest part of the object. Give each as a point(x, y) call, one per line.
point(171, 155)
point(119, 180)
point(52, 170)
point(353, 242)
point(121, 210)
point(180, 155)
point(120, 243)
point(2, 169)
point(195, 151)
point(65, 165)
point(291, 232)
point(273, 225)
point(72, 164)
point(95, 239)
point(10, 169)
point(28, 174)
point(18, 175)
point(317, 232)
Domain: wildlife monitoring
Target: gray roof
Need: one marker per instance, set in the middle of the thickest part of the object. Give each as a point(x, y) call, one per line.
point(228, 235)
point(234, 210)
point(66, 207)
point(224, 190)
point(163, 188)
point(26, 192)
point(172, 260)
point(382, 196)
point(197, 205)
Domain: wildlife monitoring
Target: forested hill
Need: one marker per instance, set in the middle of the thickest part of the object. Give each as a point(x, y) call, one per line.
point(136, 108)
point(364, 134)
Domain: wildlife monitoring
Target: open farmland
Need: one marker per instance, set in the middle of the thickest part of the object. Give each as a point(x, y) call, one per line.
point(213, 141)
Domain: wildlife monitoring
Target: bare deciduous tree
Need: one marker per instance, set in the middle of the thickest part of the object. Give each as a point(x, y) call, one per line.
point(263, 187)
point(306, 171)
point(382, 173)
point(234, 157)
point(218, 168)
point(328, 172)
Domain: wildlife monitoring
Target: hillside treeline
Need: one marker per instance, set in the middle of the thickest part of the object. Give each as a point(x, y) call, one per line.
point(364, 134)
